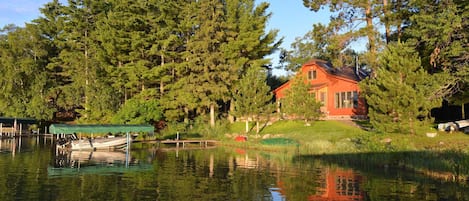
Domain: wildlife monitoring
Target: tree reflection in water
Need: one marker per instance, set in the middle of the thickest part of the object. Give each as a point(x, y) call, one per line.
point(226, 173)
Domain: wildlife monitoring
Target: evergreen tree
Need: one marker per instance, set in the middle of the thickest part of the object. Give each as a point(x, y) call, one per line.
point(253, 98)
point(402, 93)
point(84, 84)
point(50, 25)
point(210, 73)
point(228, 38)
point(300, 102)
point(439, 30)
point(178, 98)
point(247, 40)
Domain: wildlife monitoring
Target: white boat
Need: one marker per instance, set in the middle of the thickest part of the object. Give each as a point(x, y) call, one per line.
point(67, 138)
point(98, 143)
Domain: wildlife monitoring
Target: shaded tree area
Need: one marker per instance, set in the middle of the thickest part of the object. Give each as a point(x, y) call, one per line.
point(132, 61)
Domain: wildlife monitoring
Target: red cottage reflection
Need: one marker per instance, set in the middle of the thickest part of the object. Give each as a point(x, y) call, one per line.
point(339, 185)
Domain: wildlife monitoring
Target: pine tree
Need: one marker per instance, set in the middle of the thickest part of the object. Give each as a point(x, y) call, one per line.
point(439, 31)
point(300, 102)
point(86, 85)
point(253, 97)
point(177, 98)
point(403, 93)
point(229, 37)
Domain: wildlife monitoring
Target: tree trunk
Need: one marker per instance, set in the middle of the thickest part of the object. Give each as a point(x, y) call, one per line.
point(386, 21)
point(463, 113)
point(257, 126)
point(370, 29)
point(370, 32)
point(161, 81)
point(87, 107)
point(212, 115)
point(186, 115)
point(161, 87)
point(399, 27)
point(247, 125)
point(231, 118)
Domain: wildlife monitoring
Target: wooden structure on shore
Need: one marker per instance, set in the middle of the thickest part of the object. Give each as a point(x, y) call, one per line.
point(183, 143)
point(12, 126)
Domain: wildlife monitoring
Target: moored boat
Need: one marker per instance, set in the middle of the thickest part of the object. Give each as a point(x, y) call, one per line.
point(67, 138)
point(97, 143)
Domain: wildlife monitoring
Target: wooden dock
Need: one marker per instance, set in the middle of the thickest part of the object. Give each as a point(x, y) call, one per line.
point(183, 143)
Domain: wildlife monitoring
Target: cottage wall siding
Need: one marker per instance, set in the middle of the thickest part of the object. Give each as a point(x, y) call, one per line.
point(331, 81)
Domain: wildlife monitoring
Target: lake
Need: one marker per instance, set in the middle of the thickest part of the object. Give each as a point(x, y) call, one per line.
point(31, 169)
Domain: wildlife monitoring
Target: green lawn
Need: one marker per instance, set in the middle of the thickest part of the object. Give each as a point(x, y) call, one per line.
point(343, 137)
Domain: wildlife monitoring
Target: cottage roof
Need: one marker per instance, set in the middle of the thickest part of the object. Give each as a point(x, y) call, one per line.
point(348, 72)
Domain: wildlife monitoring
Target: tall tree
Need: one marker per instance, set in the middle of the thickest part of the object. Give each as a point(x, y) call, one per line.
point(210, 73)
point(228, 38)
point(176, 87)
point(402, 93)
point(323, 42)
point(248, 41)
point(86, 85)
point(253, 97)
point(348, 19)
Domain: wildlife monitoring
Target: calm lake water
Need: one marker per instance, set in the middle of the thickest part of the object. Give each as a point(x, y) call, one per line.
point(31, 169)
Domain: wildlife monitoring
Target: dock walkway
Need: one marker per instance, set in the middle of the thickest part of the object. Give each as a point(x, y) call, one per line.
point(183, 143)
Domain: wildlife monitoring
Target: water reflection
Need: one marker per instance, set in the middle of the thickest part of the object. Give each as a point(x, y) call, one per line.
point(15, 145)
point(226, 173)
point(245, 160)
point(75, 159)
point(393, 176)
point(10, 145)
point(338, 184)
point(68, 162)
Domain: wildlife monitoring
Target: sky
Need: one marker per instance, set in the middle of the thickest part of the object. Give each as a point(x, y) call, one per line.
point(290, 17)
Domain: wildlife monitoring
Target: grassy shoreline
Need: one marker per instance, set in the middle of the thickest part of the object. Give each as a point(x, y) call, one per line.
point(332, 137)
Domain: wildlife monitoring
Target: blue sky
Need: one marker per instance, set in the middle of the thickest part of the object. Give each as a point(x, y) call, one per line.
point(290, 17)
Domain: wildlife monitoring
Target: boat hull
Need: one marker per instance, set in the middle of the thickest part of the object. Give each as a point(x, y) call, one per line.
point(99, 143)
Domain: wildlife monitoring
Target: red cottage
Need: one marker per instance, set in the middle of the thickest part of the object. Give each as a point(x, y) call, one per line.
point(336, 88)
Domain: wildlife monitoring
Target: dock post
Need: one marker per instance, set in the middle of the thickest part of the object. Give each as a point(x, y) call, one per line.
point(127, 151)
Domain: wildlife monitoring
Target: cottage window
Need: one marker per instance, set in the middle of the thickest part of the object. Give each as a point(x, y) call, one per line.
point(347, 99)
point(323, 98)
point(312, 75)
point(355, 99)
